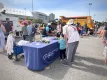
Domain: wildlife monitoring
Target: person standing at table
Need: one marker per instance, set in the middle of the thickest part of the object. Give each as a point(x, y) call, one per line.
point(29, 30)
point(72, 36)
point(2, 37)
point(34, 30)
point(48, 30)
point(62, 47)
point(85, 28)
point(25, 32)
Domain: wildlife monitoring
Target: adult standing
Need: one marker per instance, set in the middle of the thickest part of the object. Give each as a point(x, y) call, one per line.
point(58, 29)
point(34, 30)
point(105, 43)
point(95, 30)
point(72, 36)
point(2, 37)
point(104, 36)
point(79, 28)
point(29, 30)
point(8, 27)
point(85, 28)
point(25, 32)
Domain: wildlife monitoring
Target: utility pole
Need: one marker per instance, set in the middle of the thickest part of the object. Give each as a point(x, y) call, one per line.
point(89, 8)
point(32, 5)
point(25, 11)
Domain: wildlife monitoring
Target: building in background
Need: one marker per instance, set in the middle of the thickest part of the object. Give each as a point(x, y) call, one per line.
point(51, 17)
point(106, 19)
point(25, 14)
point(41, 16)
point(17, 12)
point(1, 6)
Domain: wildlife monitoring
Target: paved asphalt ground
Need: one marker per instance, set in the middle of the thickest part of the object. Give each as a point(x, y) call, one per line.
point(89, 65)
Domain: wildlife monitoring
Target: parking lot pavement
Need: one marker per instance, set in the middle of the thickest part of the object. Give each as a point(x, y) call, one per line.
point(88, 65)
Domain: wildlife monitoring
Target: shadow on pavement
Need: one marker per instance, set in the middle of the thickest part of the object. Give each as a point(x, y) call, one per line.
point(89, 59)
point(21, 62)
point(92, 69)
point(95, 68)
point(56, 72)
point(3, 53)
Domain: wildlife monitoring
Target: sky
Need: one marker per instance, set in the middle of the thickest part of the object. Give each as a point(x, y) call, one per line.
point(67, 8)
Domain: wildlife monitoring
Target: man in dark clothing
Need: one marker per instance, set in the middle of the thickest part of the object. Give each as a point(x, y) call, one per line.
point(85, 27)
point(8, 27)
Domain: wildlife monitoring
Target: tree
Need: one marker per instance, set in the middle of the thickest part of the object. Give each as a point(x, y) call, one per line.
point(27, 18)
point(37, 21)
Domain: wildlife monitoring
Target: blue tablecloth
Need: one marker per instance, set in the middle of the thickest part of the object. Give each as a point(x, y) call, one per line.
point(37, 57)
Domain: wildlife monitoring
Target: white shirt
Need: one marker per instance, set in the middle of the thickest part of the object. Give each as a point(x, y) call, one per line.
point(9, 45)
point(72, 33)
point(64, 29)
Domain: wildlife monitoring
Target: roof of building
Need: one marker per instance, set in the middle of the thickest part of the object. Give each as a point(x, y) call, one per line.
point(17, 11)
point(39, 13)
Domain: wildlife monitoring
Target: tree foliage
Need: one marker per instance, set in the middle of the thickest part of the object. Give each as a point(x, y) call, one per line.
point(37, 21)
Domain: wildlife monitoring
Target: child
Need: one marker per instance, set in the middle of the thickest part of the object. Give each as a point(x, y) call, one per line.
point(62, 47)
point(10, 44)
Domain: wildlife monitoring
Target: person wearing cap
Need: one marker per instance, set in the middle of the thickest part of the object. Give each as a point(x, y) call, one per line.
point(48, 30)
point(72, 40)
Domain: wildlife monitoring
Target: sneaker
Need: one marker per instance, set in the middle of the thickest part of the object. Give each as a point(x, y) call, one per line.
point(61, 60)
point(22, 56)
point(10, 57)
point(65, 59)
point(65, 64)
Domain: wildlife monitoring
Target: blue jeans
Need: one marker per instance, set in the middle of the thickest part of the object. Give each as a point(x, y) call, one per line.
point(6, 35)
point(2, 40)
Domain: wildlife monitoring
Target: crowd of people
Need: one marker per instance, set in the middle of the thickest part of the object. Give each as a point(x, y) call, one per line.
point(68, 34)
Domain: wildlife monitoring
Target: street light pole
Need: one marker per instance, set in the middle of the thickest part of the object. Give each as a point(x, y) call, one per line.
point(25, 11)
point(94, 16)
point(89, 8)
point(32, 5)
